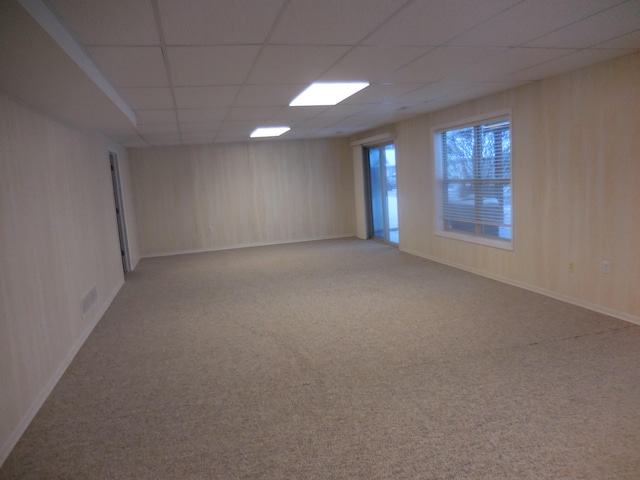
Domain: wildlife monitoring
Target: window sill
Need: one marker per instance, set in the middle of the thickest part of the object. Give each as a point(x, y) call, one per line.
point(484, 241)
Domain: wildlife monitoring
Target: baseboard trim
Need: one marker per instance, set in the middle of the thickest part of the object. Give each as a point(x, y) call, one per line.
point(244, 245)
point(542, 291)
point(14, 437)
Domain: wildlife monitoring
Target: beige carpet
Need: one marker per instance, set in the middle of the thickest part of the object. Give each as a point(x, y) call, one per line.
point(338, 359)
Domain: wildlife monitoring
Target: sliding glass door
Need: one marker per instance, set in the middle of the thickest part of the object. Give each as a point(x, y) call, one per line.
point(383, 193)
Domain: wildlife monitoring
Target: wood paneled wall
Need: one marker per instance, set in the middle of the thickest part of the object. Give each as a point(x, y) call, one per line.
point(209, 197)
point(576, 188)
point(58, 240)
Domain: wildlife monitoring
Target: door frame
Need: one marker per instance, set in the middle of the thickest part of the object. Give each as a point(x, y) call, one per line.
point(368, 194)
point(120, 214)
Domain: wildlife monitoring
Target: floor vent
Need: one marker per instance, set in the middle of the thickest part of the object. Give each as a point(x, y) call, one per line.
point(88, 300)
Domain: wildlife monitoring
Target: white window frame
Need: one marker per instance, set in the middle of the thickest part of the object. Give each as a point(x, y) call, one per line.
point(505, 244)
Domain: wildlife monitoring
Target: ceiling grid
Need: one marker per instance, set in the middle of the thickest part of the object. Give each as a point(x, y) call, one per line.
point(203, 71)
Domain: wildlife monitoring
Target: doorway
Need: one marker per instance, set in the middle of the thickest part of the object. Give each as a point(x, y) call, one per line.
point(380, 162)
point(122, 227)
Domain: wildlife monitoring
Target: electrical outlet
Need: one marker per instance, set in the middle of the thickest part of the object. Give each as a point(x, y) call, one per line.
point(606, 266)
point(572, 267)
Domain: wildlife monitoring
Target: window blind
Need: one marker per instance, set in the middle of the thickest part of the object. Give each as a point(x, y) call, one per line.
point(475, 176)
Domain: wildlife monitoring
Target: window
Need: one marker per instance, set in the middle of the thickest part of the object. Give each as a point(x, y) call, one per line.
point(474, 181)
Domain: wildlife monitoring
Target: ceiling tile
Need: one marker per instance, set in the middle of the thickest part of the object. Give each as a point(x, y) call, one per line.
point(203, 97)
point(381, 92)
point(122, 135)
point(197, 139)
point(223, 22)
point(157, 128)
point(579, 59)
point(441, 62)
point(488, 88)
point(313, 123)
point(161, 140)
point(268, 95)
point(141, 98)
point(202, 115)
point(387, 108)
point(430, 92)
point(372, 63)
point(113, 22)
point(435, 22)
point(131, 66)
point(200, 128)
point(380, 118)
point(440, 104)
point(260, 114)
point(630, 41)
point(599, 28)
point(130, 130)
point(236, 128)
point(278, 120)
point(360, 122)
point(344, 110)
point(331, 22)
point(300, 133)
point(291, 65)
point(511, 61)
point(201, 66)
point(230, 137)
point(296, 115)
point(331, 132)
point(204, 133)
point(145, 117)
point(529, 20)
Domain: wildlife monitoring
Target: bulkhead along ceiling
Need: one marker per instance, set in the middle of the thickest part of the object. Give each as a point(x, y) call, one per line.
point(171, 72)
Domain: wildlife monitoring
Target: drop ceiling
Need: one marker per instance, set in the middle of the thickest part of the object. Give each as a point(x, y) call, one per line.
point(211, 71)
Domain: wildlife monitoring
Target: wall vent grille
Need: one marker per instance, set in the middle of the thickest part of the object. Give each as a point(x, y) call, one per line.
point(88, 300)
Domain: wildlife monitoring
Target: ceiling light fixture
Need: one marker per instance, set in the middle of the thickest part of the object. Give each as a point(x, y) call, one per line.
point(326, 93)
point(269, 131)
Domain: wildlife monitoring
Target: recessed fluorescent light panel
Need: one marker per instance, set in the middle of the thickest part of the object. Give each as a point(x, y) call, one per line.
point(269, 131)
point(326, 93)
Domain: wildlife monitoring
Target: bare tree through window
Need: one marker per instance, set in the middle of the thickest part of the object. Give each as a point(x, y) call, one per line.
point(476, 179)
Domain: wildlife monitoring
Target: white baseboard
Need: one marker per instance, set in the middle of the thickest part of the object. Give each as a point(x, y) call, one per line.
point(558, 296)
point(244, 245)
point(57, 375)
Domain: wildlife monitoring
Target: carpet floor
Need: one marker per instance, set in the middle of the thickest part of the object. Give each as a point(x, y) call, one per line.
point(339, 359)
